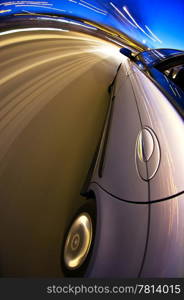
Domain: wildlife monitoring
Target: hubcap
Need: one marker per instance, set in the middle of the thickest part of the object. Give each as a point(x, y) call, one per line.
point(78, 241)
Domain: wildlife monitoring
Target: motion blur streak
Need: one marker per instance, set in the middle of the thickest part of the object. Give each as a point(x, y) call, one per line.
point(21, 105)
point(53, 104)
point(30, 29)
point(15, 39)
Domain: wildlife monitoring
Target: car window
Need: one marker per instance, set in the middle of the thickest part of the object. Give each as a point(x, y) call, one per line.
point(155, 56)
point(166, 68)
point(176, 74)
point(168, 52)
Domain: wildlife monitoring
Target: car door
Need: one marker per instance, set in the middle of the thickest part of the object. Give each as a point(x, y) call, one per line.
point(166, 165)
point(164, 255)
point(116, 169)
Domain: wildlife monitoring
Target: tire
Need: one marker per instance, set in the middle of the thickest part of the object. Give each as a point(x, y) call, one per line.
point(77, 242)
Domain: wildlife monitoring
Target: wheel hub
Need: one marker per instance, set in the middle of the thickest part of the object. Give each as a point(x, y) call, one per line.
point(78, 241)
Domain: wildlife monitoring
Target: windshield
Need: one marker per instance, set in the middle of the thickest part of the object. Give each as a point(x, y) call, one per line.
point(154, 56)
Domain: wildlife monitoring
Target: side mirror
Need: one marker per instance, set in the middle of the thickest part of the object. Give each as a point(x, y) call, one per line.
point(127, 53)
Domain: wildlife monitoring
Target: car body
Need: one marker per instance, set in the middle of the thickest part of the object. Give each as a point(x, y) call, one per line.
point(137, 174)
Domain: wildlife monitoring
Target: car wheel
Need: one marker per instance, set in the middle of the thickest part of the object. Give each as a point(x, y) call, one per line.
point(78, 241)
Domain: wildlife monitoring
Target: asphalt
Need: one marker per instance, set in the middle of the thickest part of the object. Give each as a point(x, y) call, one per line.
point(53, 101)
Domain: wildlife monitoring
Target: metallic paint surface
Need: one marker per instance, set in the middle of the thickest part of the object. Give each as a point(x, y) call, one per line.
point(120, 176)
point(165, 253)
point(120, 238)
point(159, 114)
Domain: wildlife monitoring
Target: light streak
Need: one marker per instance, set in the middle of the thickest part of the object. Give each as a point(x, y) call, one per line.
point(30, 29)
point(126, 10)
point(92, 9)
point(121, 14)
point(153, 34)
point(93, 6)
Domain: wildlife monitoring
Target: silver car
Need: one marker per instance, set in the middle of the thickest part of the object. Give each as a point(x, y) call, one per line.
point(133, 222)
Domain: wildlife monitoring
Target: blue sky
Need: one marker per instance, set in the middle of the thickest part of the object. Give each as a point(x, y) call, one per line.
point(156, 23)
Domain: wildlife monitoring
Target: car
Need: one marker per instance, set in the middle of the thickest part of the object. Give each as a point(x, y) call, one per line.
point(132, 224)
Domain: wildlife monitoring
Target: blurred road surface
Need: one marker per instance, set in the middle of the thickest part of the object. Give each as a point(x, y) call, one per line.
point(53, 100)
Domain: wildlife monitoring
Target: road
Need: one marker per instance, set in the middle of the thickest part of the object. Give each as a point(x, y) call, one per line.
point(53, 101)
